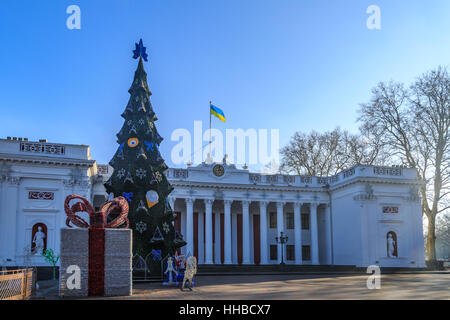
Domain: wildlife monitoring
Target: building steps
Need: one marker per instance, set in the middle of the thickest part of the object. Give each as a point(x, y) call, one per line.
point(273, 269)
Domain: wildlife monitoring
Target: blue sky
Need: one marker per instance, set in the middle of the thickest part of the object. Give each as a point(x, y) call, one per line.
point(290, 65)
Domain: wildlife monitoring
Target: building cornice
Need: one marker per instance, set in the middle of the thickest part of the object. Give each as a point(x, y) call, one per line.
point(237, 186)
point(38, 159)
point(274, 188)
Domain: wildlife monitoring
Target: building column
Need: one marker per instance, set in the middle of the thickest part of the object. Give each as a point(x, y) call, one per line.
point(10, 207)
point(328, 233)
point(201, 238)
point(298, 232)
point(208, 231)
point(280, 227)
point(190, 226)
point(227, 230)
point(263, 231)
point(183, 228)
point(314, 234)
point(217, 238)
point(245, 232)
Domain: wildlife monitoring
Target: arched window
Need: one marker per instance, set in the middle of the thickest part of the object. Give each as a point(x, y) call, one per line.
point(40, 238)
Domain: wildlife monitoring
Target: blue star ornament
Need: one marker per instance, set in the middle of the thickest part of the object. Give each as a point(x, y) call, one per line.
point(140, 51)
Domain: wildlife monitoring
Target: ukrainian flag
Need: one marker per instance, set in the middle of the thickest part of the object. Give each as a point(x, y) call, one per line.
point(217, 112)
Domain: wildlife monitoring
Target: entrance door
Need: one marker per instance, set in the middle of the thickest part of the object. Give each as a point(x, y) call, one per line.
point(222, 231)
point(239, 238)
point(256, 240)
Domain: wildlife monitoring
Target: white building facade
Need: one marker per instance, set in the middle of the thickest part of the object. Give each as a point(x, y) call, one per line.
point(363, 216)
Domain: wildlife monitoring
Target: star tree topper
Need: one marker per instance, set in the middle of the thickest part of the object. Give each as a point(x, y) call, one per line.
point(140, 51)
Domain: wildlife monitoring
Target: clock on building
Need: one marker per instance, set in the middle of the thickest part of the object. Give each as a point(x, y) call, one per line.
point(218, 170)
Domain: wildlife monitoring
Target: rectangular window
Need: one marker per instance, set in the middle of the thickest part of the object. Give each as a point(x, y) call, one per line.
point(289, 220)
point(273, 252)
point(306, 252)
point(273, 220)
point(290, 252)
point(305, 221)
point(390, 209)
point(41, 195)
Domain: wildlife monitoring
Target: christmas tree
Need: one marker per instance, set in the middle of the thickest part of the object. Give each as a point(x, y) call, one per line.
point(139, 173)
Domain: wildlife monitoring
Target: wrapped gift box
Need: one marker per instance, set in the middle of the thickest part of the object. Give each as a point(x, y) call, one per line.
point(104, 257)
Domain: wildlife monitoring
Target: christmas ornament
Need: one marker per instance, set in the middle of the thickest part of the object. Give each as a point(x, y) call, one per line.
point(156, 254)
point(149, 145)
point(140, 51)
point(141, 173)
point(178, 236)
point(141, 154)
point(133, 129)
point(166, 227)
point(128, 109)
point(120, 154)
point(157, 236)
point(141, 226)
point(128, 195)
point(158, 176)
point(152, 198)
point(121, 173)
point(128, 178)
point(141, 208)
point(133, 142)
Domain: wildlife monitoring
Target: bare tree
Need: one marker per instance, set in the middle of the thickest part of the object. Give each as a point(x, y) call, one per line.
point(325, 154)
point(414, 124)
point(443, 234)
point(272, 167)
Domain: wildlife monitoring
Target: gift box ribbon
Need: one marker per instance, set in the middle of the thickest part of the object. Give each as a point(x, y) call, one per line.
point(97, 224)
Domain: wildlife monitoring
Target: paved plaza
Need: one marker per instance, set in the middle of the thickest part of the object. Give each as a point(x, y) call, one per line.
point(291, 287)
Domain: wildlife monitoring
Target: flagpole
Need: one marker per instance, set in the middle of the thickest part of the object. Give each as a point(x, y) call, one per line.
point(210, 103)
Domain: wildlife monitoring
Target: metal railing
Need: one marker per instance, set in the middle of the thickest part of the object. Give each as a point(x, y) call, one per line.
point(16, 284)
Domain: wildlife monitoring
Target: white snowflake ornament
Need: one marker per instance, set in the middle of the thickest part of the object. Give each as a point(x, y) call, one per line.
point(141, 227)
point(121, 173)
point(141, 173)
point(166, 227)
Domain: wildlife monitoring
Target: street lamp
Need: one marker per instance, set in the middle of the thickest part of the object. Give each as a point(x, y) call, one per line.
point(282, 240)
